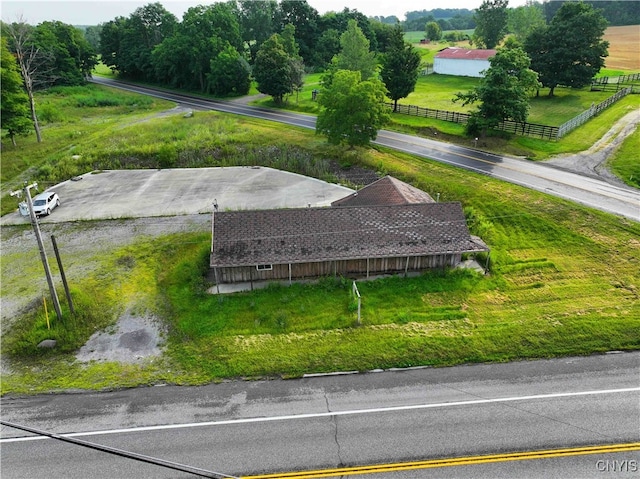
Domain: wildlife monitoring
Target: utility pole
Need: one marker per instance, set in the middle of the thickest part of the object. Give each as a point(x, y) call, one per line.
point(43, 253)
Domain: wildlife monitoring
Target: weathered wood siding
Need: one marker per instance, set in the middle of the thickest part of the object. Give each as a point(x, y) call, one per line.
point(356, 268)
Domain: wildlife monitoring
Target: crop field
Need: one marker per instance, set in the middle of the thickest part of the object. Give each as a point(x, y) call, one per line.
point(624, 47)
point(623, 41)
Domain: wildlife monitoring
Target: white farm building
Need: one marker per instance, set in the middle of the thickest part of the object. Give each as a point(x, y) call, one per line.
point(462, 61)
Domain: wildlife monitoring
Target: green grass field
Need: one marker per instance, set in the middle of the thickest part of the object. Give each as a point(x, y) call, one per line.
point(563, 278)
point(438, 91)
point(625, 162)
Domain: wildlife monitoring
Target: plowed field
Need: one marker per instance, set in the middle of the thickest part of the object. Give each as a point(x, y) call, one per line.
point(624, 47)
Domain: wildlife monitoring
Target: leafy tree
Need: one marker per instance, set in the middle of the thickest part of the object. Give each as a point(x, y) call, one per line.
point(462, 22)
point(110, 38)
point(455, 36)
point(491, 23)
point(305, 19)
point(92, 35)
point(433, 32)
point(355, 54)
point(340, 21)
point(288, 37)
point(32, 62)
point(14, 102)
point(327, 47)
point(503, 92)
point(418, 23)
point(400, 66)
point(70, 57)
point(390, 20)
point(229, 73)
point(525, 19)
point(256, 23)
point(184, 58)
point(272, 69)
point(172, 62)
point(352, 110)
point(296, 63)
point(444, 24)
point(127, 43)
point(384, 33)
point(570, 51)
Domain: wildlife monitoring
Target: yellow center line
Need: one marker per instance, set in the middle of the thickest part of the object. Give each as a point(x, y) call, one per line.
point(454, 461)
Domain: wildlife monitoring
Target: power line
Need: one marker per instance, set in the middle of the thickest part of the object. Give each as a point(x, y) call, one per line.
point(122, 453)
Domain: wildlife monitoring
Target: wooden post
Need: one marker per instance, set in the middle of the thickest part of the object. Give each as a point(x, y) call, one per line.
point(43, 253)
point(356, 293)
point(63, 276)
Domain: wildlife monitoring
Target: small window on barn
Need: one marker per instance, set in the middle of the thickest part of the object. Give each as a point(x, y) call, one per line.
point(264, 267)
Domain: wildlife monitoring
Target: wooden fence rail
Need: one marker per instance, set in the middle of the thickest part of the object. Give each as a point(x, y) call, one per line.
point(518, 128)
point(591, 112)
point(614, 83)
point(526, 129)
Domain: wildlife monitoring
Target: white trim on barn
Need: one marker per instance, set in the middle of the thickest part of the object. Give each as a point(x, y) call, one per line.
point(462, 62)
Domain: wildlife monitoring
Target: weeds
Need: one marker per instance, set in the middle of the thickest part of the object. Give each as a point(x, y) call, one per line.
point(562, 279)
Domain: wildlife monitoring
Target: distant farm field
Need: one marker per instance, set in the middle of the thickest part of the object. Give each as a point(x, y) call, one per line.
point(624, 47)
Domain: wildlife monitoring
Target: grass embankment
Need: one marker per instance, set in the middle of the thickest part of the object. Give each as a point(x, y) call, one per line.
point(625, 162)
point(87, 116)
point(563, 279)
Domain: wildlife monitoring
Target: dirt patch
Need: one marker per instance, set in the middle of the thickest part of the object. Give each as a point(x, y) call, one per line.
point(133, 339)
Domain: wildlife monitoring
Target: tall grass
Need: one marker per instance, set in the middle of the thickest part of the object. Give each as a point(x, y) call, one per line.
point(563, 280)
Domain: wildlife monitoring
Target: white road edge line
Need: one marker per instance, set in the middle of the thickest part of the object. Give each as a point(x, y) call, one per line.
point(329, 414)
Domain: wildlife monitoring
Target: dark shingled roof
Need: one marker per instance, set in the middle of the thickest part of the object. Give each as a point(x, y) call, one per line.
point(385, 191)
point(322, 234)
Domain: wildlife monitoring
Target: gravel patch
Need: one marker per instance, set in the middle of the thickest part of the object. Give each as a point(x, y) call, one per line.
point(593, 162)
point(132, 340)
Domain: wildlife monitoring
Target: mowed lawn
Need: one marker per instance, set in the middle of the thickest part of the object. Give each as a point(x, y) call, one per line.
point(438, 91)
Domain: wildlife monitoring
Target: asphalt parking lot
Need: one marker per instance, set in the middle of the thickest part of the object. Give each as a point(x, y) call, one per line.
point(115, 194)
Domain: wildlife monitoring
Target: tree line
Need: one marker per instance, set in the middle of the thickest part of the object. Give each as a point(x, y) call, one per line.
point(568, 51)
point(222, 47)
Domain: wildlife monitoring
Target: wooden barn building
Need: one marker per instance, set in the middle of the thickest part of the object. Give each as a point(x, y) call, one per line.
point(396, 229)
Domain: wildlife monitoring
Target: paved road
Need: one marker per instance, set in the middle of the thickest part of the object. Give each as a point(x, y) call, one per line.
point(243, 428)
point(624, 201)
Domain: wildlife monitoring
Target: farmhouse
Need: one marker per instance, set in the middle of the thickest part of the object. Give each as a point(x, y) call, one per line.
point(462, 61)
point(352, 241)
